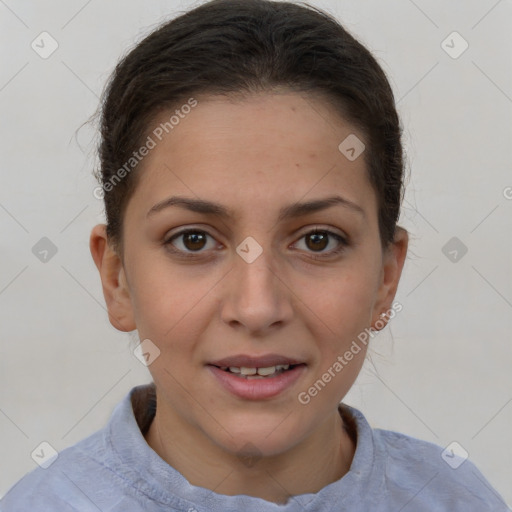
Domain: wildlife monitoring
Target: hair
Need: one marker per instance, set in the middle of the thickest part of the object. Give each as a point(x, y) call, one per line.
point(238, 48)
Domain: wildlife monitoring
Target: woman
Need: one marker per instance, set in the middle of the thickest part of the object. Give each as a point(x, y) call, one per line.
point(252, 172)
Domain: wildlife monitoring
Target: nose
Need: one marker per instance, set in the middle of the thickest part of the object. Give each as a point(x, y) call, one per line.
point(257, 298)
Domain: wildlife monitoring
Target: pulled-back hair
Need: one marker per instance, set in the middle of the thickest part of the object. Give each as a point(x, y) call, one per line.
point(236, 48)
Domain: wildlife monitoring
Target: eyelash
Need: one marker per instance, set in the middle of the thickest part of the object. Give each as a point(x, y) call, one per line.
point(341, 247)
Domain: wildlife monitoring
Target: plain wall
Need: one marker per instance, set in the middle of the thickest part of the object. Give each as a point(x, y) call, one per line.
point(441, 369)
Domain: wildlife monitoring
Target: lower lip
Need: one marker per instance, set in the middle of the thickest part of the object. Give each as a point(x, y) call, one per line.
point(258, 389)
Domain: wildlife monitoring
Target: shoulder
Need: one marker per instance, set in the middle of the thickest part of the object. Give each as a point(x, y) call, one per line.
point(96, 473)
point(57, 487)
point(431, 475)
point(89, 475)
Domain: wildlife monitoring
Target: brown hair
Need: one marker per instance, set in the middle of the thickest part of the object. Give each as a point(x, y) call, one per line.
point(233, 47)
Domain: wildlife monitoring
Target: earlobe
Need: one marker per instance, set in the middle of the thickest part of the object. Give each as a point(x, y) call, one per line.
point(394, 260)
point(115, 289)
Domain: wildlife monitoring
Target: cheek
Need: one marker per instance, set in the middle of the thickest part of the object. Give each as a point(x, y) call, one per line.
point(344, 301)
point(341, 312)
point(168, 304)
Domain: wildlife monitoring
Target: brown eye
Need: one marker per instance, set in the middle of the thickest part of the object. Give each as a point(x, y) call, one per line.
point(194, 240)
point(189, 241)
point(317, 240)
point(318, 243)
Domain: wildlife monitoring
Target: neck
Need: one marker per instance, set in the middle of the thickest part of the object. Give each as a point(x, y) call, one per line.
point(307, 468)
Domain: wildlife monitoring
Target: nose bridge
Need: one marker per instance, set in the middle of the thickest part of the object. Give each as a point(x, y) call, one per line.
point(257, 298)
point(255, 271)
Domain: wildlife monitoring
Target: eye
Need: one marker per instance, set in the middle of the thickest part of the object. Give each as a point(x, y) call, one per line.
point(190, 241)
point(318, 239)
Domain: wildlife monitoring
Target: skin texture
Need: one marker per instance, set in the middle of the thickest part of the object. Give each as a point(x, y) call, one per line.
point(253, 156)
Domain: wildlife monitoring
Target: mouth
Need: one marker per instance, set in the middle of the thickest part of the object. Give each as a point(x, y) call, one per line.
point(251, 373)
point(257, 378)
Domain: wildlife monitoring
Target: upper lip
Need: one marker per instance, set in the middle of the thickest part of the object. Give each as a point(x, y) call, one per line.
point(264, 361)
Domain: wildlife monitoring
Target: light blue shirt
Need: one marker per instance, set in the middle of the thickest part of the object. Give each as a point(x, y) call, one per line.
point(115, 470)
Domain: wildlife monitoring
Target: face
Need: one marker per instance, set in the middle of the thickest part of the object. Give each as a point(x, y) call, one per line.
point(251, 273)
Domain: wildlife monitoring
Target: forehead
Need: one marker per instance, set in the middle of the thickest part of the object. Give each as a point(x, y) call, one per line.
point(262, 149)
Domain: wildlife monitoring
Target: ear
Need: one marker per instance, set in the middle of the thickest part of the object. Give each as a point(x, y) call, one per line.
point(392, 265)
point(113, 280)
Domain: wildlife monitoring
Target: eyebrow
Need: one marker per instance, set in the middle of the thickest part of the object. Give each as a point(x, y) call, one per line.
point(287, 212)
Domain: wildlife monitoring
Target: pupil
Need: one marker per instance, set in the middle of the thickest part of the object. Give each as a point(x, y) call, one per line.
point(196, 239)
point(318, 237)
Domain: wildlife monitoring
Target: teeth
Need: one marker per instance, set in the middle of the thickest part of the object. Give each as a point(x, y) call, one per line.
point(267, 371)
point(255, 372)
point(245, 371)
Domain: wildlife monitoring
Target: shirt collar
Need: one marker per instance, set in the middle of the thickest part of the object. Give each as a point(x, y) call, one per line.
point(135, 461)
